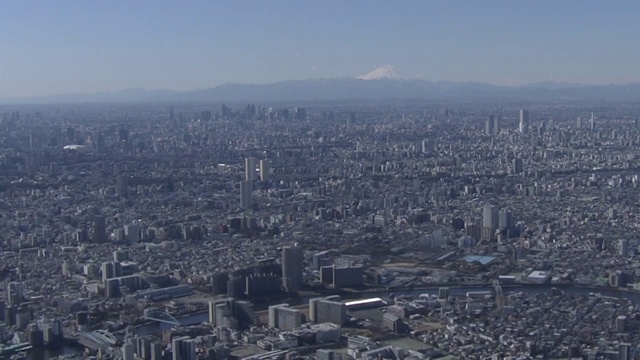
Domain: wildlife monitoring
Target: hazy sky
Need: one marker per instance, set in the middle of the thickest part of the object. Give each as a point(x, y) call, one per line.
point(52, 47)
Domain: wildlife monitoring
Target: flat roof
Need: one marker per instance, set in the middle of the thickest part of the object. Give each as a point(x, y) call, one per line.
point(484, 260)
point(538, 273)
point(363, 301)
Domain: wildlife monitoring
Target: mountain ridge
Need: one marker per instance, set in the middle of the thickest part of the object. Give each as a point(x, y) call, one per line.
point(351, 89)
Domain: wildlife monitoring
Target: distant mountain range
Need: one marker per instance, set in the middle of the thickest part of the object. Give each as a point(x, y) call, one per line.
point(383, 83)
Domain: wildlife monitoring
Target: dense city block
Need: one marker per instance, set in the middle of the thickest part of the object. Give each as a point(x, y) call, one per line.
point(398, 229)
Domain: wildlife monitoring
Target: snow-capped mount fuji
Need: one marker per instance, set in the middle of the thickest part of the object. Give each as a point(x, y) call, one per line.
point(390, 86)
point(385, 72)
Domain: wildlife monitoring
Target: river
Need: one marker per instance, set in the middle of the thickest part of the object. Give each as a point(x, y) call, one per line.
point(155, 328)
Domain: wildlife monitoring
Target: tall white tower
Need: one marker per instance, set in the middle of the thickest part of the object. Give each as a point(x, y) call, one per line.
point(249, 169)
point(264, 170)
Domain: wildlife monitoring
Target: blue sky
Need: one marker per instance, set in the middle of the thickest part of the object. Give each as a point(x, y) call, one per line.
point(53, 47)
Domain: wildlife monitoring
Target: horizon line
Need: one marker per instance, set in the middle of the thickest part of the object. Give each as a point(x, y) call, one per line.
point(139, 88)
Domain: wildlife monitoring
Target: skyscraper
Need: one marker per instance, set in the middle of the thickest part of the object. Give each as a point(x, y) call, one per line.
point(488, 126)
point(205, 115)
point(504, 219)
point(264, 170)
point(292, 267)
point(108, 271)
point(132, 233)
point(127, 352)
point(184, 348)
point(490, 217)
point(284, 318)
point(245, 195)
point(490, 222)
point(623, 247)
point(249, 169)
point(523, 126)
point(122, 185)
point(517, 166)
point(492, 126)
point(100, 230)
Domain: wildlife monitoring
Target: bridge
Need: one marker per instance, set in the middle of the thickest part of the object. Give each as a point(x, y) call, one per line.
point(99, 339)
point(158, 315)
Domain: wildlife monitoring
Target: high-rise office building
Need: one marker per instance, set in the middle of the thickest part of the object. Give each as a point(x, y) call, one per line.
point(427, 146)
point(245, 195)
point(205, 115)
point(492, 126)
point(624, 351)
point(219, 311)
point(224, 111)
point(444, 293)
point(352, 118)
point(184, 348)
point(322, 310)
point(264, 170)
point(523, 125)
point(292, 267)
point(621, 322)
point(14, 293)
point(123, 134)
point(623, 247)
point(100, 229)
point(219, 283)
point(496, 125)
point(120, 256)
point(517, 166)
point(284, 318)
point(132, 233)
point(249, 169)
point(299, 113)
point(108, 271)
point(100, 143)
point(122, 185)
point(127, 352)
point(504, 219)
point(490, 222)
point(490, 217)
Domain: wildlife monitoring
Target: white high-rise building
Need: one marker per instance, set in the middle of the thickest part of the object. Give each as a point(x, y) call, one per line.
point(264, 170)
point(490, 217)
point(245, 195)
point(249, 169)
point(132, 233)
point(505, 220)
point(523, 126)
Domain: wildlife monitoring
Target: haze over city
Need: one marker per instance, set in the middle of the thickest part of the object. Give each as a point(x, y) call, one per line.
point(81, 47)
point(328, 180)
